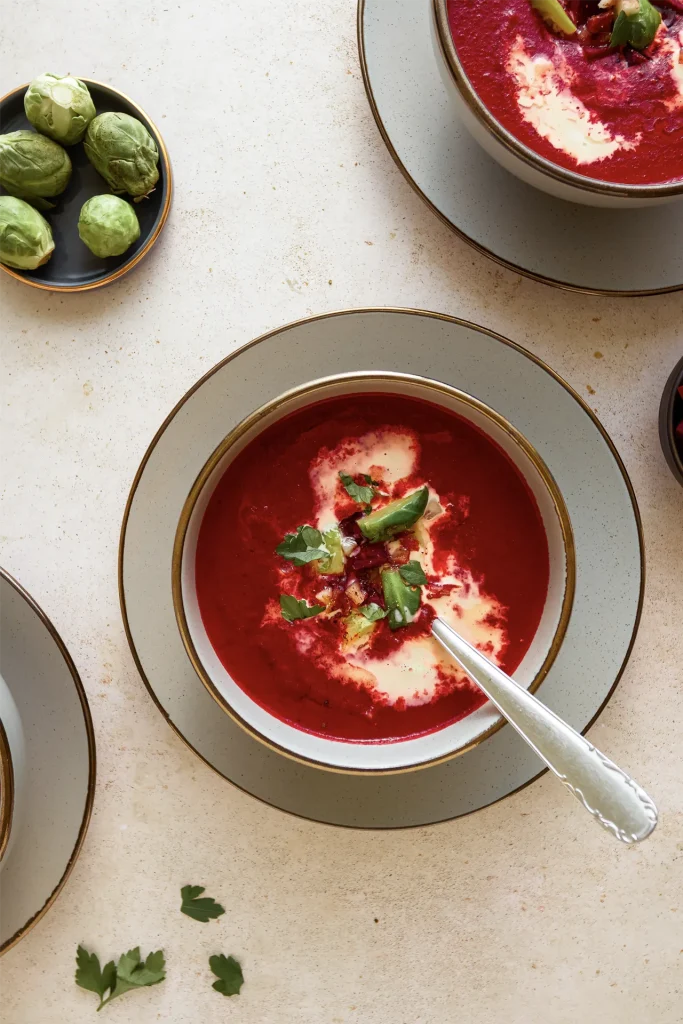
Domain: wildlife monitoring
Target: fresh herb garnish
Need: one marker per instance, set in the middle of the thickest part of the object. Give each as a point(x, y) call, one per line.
point(637, 26)
point(306, 545)
point(372, 611)
point(294, 609)
point(413, 574)
point(229, 974)
point(130, 973)
point(402, 600)
point(200, 908)
point(363, 495)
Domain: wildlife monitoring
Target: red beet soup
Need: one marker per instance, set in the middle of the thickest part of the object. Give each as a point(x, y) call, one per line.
point(596, 100)
point(334, 538)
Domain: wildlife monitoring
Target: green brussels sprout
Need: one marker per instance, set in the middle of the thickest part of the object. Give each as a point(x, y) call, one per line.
point(59, 106)
point(125, 154)
point(25, 235)
point(108, 225)
point(32, 167)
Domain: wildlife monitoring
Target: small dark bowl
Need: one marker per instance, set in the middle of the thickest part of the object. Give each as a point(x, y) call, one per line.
point(72, 267)
point(671, 413)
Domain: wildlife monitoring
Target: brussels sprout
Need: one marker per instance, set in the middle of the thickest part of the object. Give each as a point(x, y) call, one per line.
point(59, 106)
point(108, 225)
point(32, 167)
point(25, 236)
point(125, 154)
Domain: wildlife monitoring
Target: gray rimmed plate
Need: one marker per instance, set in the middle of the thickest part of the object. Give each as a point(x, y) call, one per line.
point(578, 247)
point(59, 783)
point(580, 456)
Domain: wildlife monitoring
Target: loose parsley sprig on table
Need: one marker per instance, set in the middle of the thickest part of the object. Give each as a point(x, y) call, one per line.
point(200, 908)
point(229, 974)
point(129, 973)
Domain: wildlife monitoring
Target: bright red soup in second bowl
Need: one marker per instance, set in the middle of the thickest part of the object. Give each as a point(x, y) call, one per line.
point(334, 538)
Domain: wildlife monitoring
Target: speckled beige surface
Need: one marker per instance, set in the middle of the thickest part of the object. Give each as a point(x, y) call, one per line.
point(521, 913)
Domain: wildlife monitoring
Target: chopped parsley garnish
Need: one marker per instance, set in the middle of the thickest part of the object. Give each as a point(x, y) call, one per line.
point(413, 574)
point(229, 974)
point(361, 494)
point(372, 611)
point(198, 907)
point(294, 609)
point(129, 973)
point(306, 545)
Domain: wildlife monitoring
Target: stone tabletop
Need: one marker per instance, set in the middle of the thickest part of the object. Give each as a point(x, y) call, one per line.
point(287, 203)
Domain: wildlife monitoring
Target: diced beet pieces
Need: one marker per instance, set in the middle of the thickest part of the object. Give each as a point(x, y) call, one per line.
point(369, 557)
point(600, 22)
point(349, 527)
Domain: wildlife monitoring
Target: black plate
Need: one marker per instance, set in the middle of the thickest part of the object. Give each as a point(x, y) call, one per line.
point(72, 267)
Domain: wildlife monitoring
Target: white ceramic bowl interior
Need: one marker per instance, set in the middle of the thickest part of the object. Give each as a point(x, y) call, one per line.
point(398, 755)
point(15, 752)
point(562, 184)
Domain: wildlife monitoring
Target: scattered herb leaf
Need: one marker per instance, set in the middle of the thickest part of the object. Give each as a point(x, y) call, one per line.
point(413, 574)
point(201, 909)
point(294, 609)
point(372, 611)
point(402, 601)
point(306, 545)
point(130, 973)
point(363, 495)
point(91, 977)
point(229, 973)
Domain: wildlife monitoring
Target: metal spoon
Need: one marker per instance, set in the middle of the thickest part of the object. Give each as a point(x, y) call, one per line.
point(607, 792)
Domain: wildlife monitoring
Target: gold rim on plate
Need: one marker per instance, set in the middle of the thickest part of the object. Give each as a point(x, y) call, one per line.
point(508, 264)
point(6, 791)
point(326, 316)
point(163, 215)
point(87, 811)
point(315, 389)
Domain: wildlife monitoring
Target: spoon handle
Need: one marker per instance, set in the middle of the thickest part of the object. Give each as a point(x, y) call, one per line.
point(608, 793)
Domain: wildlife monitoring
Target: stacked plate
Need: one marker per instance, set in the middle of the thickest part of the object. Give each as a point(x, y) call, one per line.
point(47, 762)
point(603, 565)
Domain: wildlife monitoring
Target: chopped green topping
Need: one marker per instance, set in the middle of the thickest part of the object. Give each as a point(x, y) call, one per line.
point(357, 628)
point(554, 14)
point(373, 612)
point(292, 608)
point(638, 28)
point(413, 574)
point(402, 601)
point(306, 545)
point(363, 495)
point(333, 565)
point(395, 517)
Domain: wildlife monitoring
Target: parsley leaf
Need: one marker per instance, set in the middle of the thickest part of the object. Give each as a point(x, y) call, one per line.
point(372, 611)
point(130, 973)
point(363, 495)
point(199, 909)
point(413, 574)
point(293, 609)
point(91, 977)
point(306, 545)
point(229, 973)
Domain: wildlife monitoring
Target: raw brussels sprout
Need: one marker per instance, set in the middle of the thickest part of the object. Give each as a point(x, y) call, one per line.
point(108, 225)
point(125, 154)
point(59, 106)
point(25, 235)
point(33, 166)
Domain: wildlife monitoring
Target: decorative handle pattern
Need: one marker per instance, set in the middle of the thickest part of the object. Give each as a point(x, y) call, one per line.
point(611, 796)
